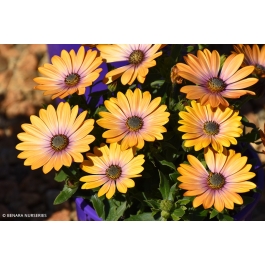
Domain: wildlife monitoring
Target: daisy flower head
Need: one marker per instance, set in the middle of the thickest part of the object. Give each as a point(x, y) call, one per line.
point(204, 126)
point(227, 174)
point(55, 138)
point(69, 73)
point(139, 57)
point(212, 84)
point(133, 118)
point(252, 56)
point(111, 167)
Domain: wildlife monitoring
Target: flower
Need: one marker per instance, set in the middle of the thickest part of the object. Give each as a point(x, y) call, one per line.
point(69, 73)
point(254, 56)
point(211, 86)
point(177, 143)
point(219, 185)
point(139, 57)
point(56, 138)
point(204, 125)
point(111, 167)
point(133, 118)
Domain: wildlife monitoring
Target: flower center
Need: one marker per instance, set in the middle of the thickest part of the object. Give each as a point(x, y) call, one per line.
point(211, 128)
point(72, 79)
point(216, 181)
point(134, 123)
point(136, 57)
point(113, 172)
point(59, 142)
point(259, 69)
point(216, 85)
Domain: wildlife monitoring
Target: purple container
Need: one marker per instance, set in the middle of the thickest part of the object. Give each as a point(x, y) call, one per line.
point(84, 211)
point(98, 85)
point(87, 213)
point(55, 49)
point(245, 213)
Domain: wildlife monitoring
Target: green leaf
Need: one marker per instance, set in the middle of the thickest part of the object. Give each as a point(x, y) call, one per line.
point(250, 137)
point(177, 213)
point(175, 218)
point(66, 172)
point(204, 213)
point(172, 192)
point(116, 212)
point(141, 217)
point(98, 206)
point(244, 118)
point(45, 106)
point(155, 211)
point(174, 176)
point(60, 176)
point(213, 213)
point(168, 164)
point(202, 46)
point(120, 210)
point(164, 186)
point(65, 194)
point(225, 217)
point(222, 60)
point(186, 149)
point(228, 218)
point(245, 122)
point(180, 106)
point(153, 203)
point(183, 201)
point(157, 84)
point(132, 86)
point(190, 48)
point(100, 109)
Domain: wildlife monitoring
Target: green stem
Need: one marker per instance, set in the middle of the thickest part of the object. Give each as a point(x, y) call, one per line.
point(258, 152)
point(249, 97)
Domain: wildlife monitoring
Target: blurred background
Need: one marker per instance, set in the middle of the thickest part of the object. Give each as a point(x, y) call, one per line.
point(26, 191)
point(22, 190)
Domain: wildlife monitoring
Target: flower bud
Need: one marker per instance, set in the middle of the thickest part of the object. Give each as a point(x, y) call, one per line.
point(166, 205)
point(165, 215)
point(175, 78)
point(112, 86)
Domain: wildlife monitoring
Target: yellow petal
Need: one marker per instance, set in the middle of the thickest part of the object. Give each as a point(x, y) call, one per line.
point(111, 190)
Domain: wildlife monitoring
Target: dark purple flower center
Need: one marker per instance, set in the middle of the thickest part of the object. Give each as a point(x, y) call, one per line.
point(72, 79)
point(259, 69)
point(59, 142)
point(211, 128)
point(136, 57)
point(216, 85)
point(113, 172)
point(134, 123)
point(215, 181)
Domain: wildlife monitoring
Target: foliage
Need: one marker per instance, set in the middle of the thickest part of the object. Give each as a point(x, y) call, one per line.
point(156, 195)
